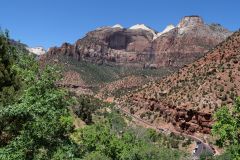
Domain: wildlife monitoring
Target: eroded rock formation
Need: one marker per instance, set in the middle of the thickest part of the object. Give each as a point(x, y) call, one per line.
point(142, 46)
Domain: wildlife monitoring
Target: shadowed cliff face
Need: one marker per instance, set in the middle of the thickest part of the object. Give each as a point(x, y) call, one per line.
point(181, 45)
point(118, 41)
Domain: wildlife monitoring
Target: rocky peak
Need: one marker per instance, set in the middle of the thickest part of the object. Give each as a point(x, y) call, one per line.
point(144, 27)
point(117, 26)
point(65, 44)
point(140, 26)
point(167, 29)
point(37, 50)
point(190, 21)
point(141, 45)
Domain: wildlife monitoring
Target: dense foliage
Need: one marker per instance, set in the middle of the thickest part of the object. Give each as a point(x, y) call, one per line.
point(227, 128)
point(99, 139)
point(112, 138)
point(37, 124)
point(86, 106)
point(9, 81)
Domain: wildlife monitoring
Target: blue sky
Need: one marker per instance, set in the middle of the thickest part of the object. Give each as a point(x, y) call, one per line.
point(51, 22)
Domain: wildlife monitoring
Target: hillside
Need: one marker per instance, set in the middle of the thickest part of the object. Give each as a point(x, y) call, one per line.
point(187, 98)
point(122, 86)
point(97, 78)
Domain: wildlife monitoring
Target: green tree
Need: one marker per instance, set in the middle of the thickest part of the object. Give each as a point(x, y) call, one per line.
point(9, 81)
point(85, 109)
point(227, 128)
point(100, 141)
point(96, 156)
point(39, 124)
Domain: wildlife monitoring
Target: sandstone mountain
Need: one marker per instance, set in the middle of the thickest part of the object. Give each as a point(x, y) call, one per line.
point(36, 50)
point(142, 46)
point(187, 98)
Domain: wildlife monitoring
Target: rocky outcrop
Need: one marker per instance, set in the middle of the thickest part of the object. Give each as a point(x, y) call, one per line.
point(184, 119)
point(189, 41)
point(191, 21)
point(110, 45)
point(37, 50)
point(188, 98)
point(142, 46)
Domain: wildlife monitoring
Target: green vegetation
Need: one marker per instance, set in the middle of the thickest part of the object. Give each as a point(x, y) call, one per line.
point(9, 80)
point(87, 106)
point(112, 138)
point(38, 125)
point(227, 131)
point(123, 91)
point(99, 139)
point(227, 128)
point(95, 74)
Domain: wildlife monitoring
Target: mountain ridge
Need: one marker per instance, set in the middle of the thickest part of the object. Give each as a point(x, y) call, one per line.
point(145, 47)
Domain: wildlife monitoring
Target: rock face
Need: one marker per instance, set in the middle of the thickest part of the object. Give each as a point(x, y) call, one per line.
point(37, 50)
point(110, 45)
point(191, 21)
point(142, 46)
point(188, 98)
point(183, 119)
point(167, 29)
point(189, 41)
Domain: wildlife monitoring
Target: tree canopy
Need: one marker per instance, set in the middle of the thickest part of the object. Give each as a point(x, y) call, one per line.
point(9, 80)
point(227, 128)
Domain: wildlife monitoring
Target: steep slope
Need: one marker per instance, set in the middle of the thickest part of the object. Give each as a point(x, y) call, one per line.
point(187, 42)
point(122, 86)
point(73, 82)
point(109, 44)
point(187, 99)
point(144, 47)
